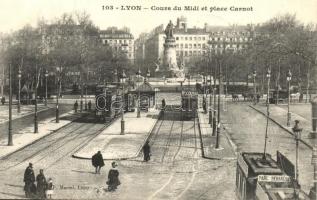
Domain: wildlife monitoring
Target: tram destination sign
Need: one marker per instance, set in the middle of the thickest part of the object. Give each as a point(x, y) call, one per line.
point(274, 178)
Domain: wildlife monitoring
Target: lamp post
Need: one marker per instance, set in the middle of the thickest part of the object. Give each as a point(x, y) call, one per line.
point(138, 109)
point(297, 133)
point(46, 75)
point(58, 93)
point(122, 81)
point(268, 76)
point(19, 91)
point(289, 78)
point(10, 139)
point(254, 85)
point(35, 107)
point(210, 102)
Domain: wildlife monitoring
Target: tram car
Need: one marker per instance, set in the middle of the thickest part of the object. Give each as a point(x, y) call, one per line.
point(189, 104)
point(108, 101)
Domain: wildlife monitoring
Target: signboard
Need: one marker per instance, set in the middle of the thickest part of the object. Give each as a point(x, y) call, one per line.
point(243, 165)
point(273, 178)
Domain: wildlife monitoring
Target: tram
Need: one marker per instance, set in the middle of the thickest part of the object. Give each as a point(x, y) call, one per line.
point(260, 177)
point(108, 101)
point(189, 104)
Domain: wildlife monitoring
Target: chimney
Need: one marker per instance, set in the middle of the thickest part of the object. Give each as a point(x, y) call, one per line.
point(205, 27)
point(185, 27)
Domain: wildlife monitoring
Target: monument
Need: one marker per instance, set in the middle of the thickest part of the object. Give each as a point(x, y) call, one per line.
point(169, 67)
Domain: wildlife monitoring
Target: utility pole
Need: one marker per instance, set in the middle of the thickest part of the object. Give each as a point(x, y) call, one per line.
point(10, 139)
point(219, 93)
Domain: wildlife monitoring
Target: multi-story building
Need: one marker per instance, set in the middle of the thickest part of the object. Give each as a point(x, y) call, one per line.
point(232, 38)
point(195, 42)
point(119, 40)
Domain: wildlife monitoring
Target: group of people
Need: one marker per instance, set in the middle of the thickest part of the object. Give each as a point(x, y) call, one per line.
point(42, 189)
point(76, 106)
point(113, 175)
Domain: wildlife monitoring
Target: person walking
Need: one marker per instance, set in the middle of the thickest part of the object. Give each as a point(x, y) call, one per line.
point(97, 162)
point(76, 106)
point(113, 178)
point(3, 100)
point(50, 188)
point(147, 151)
point(41, 185)
point(89, 105)
point(163, 104)
point(29, 179)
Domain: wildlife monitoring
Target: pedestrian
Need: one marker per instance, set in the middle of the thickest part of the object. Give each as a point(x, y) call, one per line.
point(76, 106)
point(301, 96)
point(29, 179)
point(97, 162)
point(113, 178)
point(89, 105)
point(163, 104)
point(258, 96)
point(3, 100)
point(41, 184)
point(147, 151)
point(50, 188)
point(204, 105)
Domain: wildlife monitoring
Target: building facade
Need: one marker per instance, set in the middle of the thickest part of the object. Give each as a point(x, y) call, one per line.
point(121, 41)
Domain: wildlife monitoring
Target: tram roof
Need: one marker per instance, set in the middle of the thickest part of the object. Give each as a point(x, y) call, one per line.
point(259, 165)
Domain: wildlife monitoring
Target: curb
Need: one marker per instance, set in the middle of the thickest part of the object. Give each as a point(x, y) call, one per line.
point(281, 126)
point(233, 146)
point(123, 158)
point(83, 145)
point(34, 141)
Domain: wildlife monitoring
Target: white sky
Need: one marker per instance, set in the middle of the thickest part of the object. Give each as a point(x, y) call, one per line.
point(16, 13)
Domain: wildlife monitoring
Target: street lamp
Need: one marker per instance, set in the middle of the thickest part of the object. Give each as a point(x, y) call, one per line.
point(288, 78)
point(254, 85)
point(297, 133)
point(19, 91)
point(46, 75)
point(138, 109)
point(268, 76)
point(122, 81)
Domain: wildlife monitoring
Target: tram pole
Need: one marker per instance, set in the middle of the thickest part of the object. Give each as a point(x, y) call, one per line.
point(219, 93)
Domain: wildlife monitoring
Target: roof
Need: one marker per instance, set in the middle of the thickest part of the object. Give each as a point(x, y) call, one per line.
point(114, 33)
point(190, 31)
point(145, 87)
point(259, 166)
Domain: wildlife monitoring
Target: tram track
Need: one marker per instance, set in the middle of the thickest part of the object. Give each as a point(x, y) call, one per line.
point(53, 147)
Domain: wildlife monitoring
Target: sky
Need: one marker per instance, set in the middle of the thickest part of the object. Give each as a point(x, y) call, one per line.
point(14, 14)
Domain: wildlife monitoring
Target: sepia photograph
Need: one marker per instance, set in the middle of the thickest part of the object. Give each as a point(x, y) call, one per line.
point(158, 99)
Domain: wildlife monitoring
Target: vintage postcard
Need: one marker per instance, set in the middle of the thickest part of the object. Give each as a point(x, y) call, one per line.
point(158, 99)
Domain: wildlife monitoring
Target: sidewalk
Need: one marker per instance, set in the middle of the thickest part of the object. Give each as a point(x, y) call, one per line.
point(25, 110)
point(27, 136)
point(227, 148)
point(114, 146)
point(278, 116)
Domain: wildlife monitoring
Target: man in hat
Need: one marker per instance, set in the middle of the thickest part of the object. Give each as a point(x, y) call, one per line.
point(113, 178)
point(29, 179)
point(146, 151)
point(97, 161)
